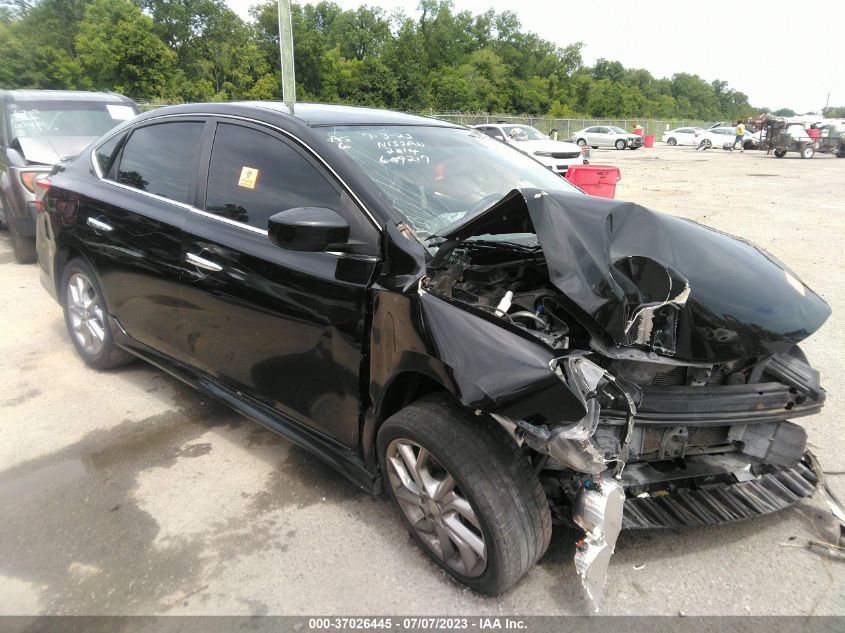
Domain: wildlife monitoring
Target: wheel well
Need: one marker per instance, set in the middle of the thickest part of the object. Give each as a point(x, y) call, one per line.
point(405, 388)
point(63, 256)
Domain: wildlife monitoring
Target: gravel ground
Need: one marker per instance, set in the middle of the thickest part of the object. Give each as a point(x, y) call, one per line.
point(127, 493)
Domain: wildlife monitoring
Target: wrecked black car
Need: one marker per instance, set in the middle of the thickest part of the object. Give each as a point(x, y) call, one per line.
point(443, 318)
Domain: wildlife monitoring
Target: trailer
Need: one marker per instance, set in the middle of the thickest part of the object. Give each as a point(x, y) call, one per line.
point(783, 135)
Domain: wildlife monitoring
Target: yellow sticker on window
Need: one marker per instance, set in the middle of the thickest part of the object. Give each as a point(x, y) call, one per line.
point(249, 177)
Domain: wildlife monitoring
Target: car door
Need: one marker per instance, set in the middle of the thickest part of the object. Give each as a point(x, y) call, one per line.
point(603, 136)
point(593, 135)
point(130, 224)
point(285, 328)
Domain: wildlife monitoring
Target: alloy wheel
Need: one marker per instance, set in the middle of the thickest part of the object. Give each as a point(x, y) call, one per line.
point(86, 314)
point(437, 510)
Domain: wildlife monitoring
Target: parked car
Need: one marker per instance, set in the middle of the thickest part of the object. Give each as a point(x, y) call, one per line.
point(717, 136)
point(438, 316)
point(680, 136)
point(556, 155)
point(37, 128)
point(607, 136)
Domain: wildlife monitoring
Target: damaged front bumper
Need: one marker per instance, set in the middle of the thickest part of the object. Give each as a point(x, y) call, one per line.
point(670, 457)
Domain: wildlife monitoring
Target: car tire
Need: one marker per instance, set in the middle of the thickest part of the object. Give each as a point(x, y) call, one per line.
point(499, 517)
point(87, 317)
point(621, 144)
point(581, 142)
point(672, 141)
point(780, 153)
point(706, 144)
point(23, 247)
point(808, 151)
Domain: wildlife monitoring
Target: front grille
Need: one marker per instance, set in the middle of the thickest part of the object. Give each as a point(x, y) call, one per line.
point(699, 437)
point(566, 154)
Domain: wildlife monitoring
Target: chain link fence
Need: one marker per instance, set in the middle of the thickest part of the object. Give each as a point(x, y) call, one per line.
point(566, 127)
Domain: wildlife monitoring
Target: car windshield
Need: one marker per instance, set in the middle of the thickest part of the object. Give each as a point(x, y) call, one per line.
point(437, 176)
point(65, 118)
point(618, 130)
point(524, 133)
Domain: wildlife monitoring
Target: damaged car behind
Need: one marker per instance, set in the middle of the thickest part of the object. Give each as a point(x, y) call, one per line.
point(443, 319)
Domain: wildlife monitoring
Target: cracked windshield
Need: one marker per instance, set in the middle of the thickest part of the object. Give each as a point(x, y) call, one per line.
point(437, 177)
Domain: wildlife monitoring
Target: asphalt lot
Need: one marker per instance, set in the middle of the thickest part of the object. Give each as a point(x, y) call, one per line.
point(128, 493)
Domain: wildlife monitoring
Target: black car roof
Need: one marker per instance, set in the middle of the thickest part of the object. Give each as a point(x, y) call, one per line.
point(63, 95)
point(312, 114)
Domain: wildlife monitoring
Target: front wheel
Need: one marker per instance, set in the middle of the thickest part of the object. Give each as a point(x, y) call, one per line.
point(466, 491)
point(780, 153)
point(705, 144)
point(87, 318)
point(581, 142)
point(808, 151)
point(672, 141)
point(620, 144)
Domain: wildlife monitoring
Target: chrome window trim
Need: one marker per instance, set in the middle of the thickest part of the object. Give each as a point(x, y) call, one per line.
point(149, 194)
point(293, 137)
point(229, 221)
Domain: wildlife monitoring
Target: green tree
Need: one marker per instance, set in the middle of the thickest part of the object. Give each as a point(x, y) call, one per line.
point(119, 50)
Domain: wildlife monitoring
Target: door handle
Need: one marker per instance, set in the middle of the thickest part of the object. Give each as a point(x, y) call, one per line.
point(99, 225)
point(203, 263)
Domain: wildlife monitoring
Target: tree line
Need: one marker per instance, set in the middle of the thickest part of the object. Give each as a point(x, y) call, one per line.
point(445, 60)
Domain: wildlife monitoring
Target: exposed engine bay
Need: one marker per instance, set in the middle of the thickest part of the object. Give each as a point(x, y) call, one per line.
point(688, 398)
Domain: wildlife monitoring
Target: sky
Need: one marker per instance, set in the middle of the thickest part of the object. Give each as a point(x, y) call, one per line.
point(792, 64)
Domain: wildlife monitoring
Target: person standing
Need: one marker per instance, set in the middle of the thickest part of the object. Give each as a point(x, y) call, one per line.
point(740, 133)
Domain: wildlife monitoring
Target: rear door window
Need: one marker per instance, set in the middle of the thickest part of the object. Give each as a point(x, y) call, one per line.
point(162, 159)
point(106, 154)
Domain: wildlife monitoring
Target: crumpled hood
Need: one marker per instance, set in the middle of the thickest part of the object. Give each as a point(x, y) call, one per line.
point(48, 150)
point(529, 147)
point(659, 282)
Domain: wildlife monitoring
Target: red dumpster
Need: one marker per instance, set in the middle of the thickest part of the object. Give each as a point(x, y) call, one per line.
point(596, 180)
point(649, 141)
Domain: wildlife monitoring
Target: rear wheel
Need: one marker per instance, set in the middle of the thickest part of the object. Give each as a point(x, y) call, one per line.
point(466, 491)
point(87, 318)
point(672, 141)
point(808, 151)
point(780, 153)
point(620, 144)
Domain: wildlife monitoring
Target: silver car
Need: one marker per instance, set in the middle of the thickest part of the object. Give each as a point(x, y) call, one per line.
point(607, 136)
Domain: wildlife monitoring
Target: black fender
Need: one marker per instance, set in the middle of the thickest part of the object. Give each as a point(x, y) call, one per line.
point(481, 362)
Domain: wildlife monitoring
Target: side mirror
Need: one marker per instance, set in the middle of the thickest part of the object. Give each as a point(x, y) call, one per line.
point(308, 229)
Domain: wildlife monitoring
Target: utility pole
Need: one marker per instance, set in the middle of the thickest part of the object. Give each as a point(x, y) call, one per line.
point(286, 53)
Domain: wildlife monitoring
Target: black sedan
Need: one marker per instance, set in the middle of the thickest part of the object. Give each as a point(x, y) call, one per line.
point(443, 318)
